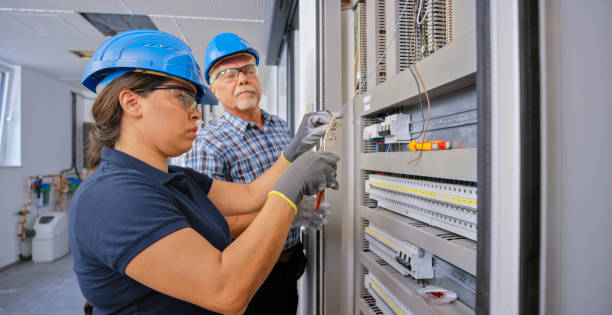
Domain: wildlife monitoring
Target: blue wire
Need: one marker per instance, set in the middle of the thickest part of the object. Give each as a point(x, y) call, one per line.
point(389, 147)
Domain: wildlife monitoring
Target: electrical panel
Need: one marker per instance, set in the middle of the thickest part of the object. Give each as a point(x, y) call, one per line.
point(415, 171)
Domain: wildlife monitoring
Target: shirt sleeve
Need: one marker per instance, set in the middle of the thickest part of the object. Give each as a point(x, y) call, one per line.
point(202, 180)
point(118, 228)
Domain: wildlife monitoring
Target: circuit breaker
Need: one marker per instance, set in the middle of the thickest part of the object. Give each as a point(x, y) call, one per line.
point(393, 129)
point(402, 255)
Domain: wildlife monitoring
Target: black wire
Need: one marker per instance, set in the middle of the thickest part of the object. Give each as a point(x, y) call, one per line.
point(419, 91)
point(421, 104)
point(413, 76)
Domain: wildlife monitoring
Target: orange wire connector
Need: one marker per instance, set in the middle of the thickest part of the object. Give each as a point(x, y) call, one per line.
point(429, 145)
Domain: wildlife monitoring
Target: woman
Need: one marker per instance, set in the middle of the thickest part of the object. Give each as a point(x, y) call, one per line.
point(148, 238)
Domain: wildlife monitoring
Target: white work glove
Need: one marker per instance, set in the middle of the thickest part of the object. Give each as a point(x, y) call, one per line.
point(311, 129)
point(308, 217)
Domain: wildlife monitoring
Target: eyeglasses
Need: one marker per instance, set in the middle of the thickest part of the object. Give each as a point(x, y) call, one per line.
point(182, 94)
point(230, 75)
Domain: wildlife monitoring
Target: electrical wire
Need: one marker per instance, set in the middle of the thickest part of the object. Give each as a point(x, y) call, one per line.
point(420, 104)
point(415, 74)
point(420, 80)
point(380, 58)
point(419, 13)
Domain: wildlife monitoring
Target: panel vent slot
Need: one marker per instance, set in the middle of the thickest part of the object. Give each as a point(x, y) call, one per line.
point(366, 201)
point(405, 47)
point(363, 291)
point(365, 295)
point(417, 41)
point(362, 71)
point(367, 146)
point(381, 42)
point(366, 243)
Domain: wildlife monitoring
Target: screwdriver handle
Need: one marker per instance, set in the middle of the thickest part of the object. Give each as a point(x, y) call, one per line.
point(319, 199)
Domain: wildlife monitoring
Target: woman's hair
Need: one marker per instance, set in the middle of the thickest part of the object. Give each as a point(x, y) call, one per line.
point(107, 112)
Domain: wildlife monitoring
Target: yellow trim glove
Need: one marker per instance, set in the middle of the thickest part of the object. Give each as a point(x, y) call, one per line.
point(284, 158)
point(310, 173)
point(280, 194)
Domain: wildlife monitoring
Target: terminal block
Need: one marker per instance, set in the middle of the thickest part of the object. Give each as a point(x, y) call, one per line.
point(450, 207)
point(402, 255)
point(386, 301)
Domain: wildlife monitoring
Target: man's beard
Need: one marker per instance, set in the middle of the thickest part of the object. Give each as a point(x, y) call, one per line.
point(247, 104)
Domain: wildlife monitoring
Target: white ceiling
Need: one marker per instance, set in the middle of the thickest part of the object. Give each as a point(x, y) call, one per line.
point(39, 34)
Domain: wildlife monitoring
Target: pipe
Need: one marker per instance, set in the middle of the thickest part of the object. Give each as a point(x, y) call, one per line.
point(73, 164)
point(23, 213)
point(58, 184)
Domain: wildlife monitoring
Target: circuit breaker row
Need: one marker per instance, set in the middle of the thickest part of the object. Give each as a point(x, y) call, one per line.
point(451, 207)
point(402, 255)
point(446, 206)
point(394, 129)
point(386, 301)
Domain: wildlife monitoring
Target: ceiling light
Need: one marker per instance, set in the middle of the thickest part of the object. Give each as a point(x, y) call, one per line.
point(83, 53)
point(111, 24)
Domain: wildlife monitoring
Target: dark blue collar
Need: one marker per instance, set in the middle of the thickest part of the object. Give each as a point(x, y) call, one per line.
point(131, 162)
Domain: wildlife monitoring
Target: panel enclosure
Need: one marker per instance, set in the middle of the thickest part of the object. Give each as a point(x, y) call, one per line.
point(402, 195)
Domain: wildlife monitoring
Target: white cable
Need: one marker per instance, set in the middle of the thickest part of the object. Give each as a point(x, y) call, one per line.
point(419, 13)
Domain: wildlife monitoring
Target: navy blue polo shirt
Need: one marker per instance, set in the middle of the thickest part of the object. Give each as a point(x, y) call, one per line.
point(122, 208)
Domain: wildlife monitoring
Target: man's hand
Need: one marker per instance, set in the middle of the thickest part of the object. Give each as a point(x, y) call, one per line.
point(310, 218)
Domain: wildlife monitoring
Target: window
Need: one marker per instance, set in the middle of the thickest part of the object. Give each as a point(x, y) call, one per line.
point(282, 84)
point(10, 121)
point(4, 76)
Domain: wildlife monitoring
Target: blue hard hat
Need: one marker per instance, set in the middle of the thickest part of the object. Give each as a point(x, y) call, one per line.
point(225, 45)
point(148, 51)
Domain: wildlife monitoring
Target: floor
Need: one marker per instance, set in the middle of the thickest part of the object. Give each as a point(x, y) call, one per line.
point(40, 288)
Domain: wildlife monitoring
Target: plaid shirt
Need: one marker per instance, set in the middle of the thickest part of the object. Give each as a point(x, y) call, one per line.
point(235, 150)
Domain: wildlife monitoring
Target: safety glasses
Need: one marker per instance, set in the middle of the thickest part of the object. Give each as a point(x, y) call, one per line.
point(231, 74)
point(184, 95)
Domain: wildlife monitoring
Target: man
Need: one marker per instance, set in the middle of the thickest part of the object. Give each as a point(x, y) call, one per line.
point(240, 146)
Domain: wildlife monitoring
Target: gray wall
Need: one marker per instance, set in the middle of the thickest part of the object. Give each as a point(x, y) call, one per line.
point(46, 149)
point(577, 157)
point(337, 237)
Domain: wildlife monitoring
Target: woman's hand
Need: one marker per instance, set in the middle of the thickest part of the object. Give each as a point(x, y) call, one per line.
point(310, 173)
